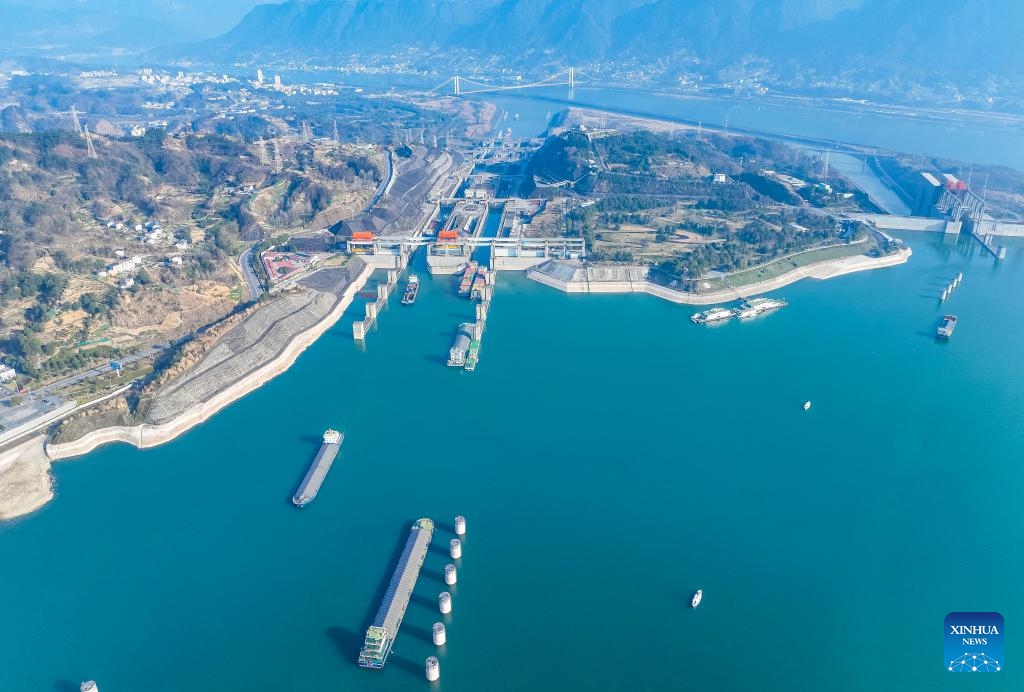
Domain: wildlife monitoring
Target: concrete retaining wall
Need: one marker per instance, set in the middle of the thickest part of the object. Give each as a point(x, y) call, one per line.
point(517, 263)
point(892, 222)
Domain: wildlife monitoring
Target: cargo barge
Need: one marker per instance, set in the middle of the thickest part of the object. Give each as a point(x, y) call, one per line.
point(380, 636)
point(458, 351)
point(753, 307)
point(711, 316)
point(476, 292)
point(467, 279)
point(310, 485)
point(412, 289)
point(474, 355)
point(945, 330)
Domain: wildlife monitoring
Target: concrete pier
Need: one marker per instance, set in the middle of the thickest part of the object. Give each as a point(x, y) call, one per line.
point(440, 636)
point(433, 669)
point(384, 290)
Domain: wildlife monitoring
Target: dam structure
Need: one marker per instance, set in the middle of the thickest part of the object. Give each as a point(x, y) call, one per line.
point(380, 636)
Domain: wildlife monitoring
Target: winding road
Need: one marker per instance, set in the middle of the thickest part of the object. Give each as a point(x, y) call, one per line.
point(249, 273)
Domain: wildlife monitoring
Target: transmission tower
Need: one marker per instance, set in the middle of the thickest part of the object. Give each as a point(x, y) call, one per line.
point(261, 151)
point(307, 132)
point(74, 120)
point(337, 138)
point(824, 169)
point(89, 145)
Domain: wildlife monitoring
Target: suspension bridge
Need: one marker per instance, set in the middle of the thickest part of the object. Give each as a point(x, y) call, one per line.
point(461, 86)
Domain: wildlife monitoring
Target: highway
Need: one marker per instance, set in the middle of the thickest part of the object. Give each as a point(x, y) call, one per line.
point(55, 387)
point(249, 273)
point(384, 184)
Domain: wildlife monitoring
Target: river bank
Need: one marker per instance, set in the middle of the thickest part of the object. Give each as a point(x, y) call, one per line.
point(577, 277)
point(25, 481)
point(152, 434)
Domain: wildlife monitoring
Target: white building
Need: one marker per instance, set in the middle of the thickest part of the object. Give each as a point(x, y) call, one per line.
point(7, 373)
point(128, 265)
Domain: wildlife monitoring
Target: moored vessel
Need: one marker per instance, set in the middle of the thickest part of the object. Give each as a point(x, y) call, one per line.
point(474, 355)
point(460, 348)
point(466, 283)
point(945, 330)
point(476, 292)
point(718, 314)
point(762, 304)
point(412, 289)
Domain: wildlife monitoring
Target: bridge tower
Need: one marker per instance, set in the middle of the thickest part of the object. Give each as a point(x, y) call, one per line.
point(572, 77)
point(455, 83)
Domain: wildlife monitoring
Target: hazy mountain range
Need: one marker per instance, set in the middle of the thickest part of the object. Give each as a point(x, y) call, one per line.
point(942, 35)
point(961, 46)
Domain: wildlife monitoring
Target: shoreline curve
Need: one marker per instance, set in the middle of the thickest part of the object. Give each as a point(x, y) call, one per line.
point(145, 435)
point(826, 269)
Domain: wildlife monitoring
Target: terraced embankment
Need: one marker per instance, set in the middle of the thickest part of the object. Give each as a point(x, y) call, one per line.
point(261, 347)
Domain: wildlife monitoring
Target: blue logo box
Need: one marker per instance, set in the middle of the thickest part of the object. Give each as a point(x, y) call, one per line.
point(974, 643)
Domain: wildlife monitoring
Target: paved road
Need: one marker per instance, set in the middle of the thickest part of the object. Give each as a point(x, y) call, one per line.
point(245, 264)
point(382, 188)
point(55, 387)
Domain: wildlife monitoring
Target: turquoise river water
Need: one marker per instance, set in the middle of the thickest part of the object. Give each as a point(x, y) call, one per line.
point(610, 458)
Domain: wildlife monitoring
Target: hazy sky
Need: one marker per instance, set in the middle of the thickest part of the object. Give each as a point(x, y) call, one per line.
point(206, 17)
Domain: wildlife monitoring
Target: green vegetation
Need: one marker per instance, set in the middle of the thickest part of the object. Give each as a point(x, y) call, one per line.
point(785, 264)
point(694, 205)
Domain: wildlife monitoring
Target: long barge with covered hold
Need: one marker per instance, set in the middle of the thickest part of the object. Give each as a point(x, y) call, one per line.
point(310, 485)
point(380, 636)
point(460, 348)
